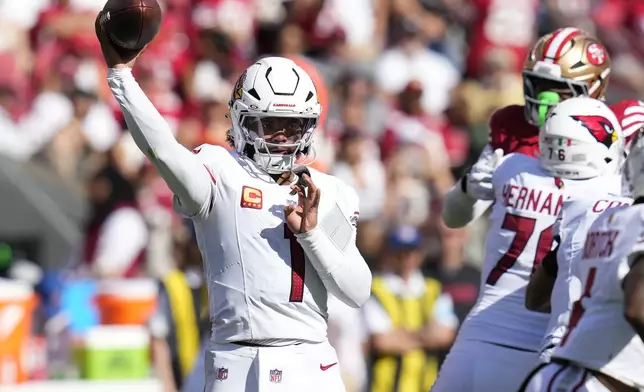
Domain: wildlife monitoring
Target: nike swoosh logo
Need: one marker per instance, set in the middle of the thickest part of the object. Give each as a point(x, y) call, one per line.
point(327, 367)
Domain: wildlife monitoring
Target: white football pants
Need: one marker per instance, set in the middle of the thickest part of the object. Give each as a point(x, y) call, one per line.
point(295, 368)
point(473, 366)
point(564, 378)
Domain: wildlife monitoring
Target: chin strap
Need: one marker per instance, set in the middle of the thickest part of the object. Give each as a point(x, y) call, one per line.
point(310, 160)
point(301, 182)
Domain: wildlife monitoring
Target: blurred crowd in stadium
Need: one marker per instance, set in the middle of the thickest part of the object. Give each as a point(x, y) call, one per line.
point(407, 88)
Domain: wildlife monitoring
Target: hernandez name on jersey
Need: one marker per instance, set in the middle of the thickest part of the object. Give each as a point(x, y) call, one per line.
point(528, 202)
point(245, 239)
point(572, 226)
point(598, 336)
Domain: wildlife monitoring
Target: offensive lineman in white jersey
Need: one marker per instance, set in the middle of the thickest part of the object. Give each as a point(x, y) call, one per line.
point(602, 349)
point(275, 237)
point(498, 343)
point(553, 288)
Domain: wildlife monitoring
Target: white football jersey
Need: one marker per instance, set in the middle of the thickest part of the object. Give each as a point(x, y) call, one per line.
point(528, 201)
point(574, 221)
point(598, 336)
point(261, 286)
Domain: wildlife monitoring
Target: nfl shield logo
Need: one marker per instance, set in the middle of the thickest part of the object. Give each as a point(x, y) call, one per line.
point(222, 374)
point(276, 376)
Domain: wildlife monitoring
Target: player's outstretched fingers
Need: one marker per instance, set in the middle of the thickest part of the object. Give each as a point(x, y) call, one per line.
point(301, 196)
point(289, 209)
point(497, 156)
point(316, 200)
point(111, 56)
point(313, 190)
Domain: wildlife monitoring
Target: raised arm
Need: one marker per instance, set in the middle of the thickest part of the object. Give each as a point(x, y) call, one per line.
point(473, 194)
point(182, 170)
point(459, 209)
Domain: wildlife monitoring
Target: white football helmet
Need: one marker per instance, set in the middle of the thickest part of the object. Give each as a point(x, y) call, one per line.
point(581, 138)
point(275, 110)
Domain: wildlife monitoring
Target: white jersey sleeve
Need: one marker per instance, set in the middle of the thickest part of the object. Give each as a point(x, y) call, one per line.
point(598, 336)
point(459, 209)
point(213, 161)
point(181, 170)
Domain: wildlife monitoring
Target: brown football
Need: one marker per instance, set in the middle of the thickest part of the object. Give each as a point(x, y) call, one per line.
point(131, 24)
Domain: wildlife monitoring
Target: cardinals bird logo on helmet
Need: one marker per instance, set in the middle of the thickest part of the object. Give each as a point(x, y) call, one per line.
point(600, 127)
point(238, 89)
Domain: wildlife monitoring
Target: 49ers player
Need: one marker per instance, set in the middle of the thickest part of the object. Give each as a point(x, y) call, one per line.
point(566, 63)
point(581, 144)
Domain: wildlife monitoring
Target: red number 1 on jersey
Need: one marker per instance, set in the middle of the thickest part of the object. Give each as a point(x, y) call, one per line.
point(577, 308)
point(297, 266)
point(523, 229)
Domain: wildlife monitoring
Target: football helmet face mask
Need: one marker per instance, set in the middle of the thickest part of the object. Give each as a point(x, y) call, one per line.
point(274, 110)
point(567, 63)
point(581, 139)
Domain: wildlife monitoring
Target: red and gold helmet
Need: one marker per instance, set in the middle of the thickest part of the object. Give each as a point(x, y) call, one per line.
point(566, 63)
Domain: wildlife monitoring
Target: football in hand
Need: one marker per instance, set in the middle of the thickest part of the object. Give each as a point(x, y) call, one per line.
point(131, 24)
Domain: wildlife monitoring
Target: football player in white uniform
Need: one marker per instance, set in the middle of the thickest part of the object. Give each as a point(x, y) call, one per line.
point(553, 288)
point(275, 237)
point(498, 343)
point(602, 349)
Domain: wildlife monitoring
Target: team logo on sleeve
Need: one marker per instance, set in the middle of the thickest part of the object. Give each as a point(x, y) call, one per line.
point(251, 198)
point(600, 127)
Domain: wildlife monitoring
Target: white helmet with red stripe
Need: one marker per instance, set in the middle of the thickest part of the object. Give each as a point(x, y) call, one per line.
point(580, 139)
point(564, 64)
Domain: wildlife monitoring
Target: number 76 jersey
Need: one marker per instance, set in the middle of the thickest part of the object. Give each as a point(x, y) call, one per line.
point(261, 286)
point(528, 202)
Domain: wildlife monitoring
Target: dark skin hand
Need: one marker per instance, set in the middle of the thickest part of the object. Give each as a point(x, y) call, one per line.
point(303, 217)
point(633, 285)
point(541, 283)
point(114, 57)
point(539, 290)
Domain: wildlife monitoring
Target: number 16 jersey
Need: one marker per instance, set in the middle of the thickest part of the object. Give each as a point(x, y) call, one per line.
point(261, 285)
point(528, 202)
